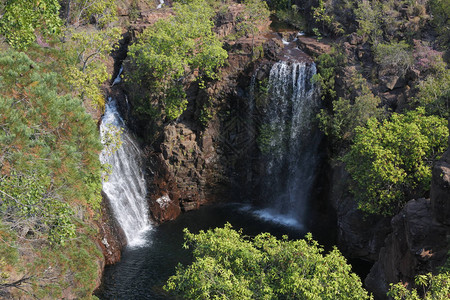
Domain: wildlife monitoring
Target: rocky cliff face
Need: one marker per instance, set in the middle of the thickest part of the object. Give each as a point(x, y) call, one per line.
point(111, 237)
point(193, 160)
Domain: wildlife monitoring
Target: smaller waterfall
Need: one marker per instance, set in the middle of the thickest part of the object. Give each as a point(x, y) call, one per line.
point(290, 144)
point(125, 186)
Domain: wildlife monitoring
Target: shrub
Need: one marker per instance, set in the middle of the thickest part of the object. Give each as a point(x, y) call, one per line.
point(390, 162)
point(48, 148)
point(394, 56)
point(170, 50)
point(228, 265)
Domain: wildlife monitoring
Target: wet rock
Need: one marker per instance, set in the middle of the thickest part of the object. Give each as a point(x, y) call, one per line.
point(164, 209)
point(111, 237)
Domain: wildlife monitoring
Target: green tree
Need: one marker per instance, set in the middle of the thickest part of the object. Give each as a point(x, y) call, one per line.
point(256, 13)
point(368, 15)
point(390, 162)
point(48, 151)
point(22, 18)
point(432, 287)
point(174, 48)
point(229, 265)
point(340, 124)
point(87, 70)
point(434, 93)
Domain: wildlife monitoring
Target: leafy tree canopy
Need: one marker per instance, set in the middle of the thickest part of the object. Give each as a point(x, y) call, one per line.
point(21, 18)
point(229, 265)
point(391, 159)
point(176, 47)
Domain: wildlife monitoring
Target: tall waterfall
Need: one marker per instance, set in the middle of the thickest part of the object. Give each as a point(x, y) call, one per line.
point(125, 186)
point(290, 143)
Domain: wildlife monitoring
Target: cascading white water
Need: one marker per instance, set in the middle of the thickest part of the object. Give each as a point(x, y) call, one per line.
point(290, 156)
point(125, 186)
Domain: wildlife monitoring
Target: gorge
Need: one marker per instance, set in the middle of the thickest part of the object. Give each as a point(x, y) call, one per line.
point(125, 122)
point(289, 143)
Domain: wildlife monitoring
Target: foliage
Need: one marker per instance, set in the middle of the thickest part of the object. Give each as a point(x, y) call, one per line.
point(23, 18)
point(77, 259)
point(265, 137)
point(256, 13)
point(34, 209)
point(389, 20)
point(229, 265)
point(167, 52)
point(279, 5)
point(339, 124)
point(394, 56)
point(433, 287)
point(49, 150)
point(292, 16)
point(101, 12)
point(434, 93)
point(327, 65)
point(368, 16)
point(87, 71)
point(426, 59)
point(440, 10)
point(391, 159)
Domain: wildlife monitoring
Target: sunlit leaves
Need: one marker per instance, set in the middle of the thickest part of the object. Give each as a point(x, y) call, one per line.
point(88, 70)
point(391, 159)
point(22, 18)
point(229, 265)
point(432, 287)
point(173, 48)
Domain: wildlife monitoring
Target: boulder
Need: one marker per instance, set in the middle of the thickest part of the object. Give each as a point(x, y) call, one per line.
point(164, 209)
point(312, 46)
point(417, 245)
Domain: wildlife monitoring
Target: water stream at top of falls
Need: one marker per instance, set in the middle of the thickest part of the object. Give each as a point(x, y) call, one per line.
point(291, 152)
point(125, 185)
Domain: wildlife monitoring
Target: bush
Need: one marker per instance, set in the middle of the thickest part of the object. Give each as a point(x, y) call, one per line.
point(433, 287)
point(339, 124)
point(390, 162)
point(394, 56)
point(434, 93)
point(174, 48)
point(229, 265)
point(21, 19)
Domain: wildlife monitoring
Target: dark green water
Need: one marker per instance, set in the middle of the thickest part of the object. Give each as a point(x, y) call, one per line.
point(143, 271)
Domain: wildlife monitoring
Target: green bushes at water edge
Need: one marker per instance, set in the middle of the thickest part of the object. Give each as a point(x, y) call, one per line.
point(229, 265)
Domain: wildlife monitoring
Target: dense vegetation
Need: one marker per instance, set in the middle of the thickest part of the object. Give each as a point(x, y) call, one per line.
point(53, 63)
point(388, 155)
point(174, 48)
point(387, 147)
point(229, 265)
point(50, 174)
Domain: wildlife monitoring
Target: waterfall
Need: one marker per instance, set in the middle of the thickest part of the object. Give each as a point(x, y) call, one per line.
point(125, 185)
point(289, 142)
